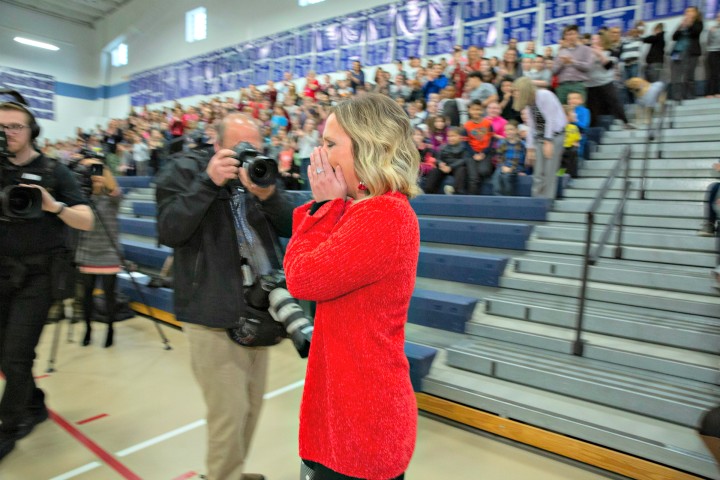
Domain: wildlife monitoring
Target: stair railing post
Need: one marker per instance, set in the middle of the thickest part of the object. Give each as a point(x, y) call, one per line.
point(578, 345)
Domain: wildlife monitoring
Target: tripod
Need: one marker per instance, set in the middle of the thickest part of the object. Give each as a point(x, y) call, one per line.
point(148, 308)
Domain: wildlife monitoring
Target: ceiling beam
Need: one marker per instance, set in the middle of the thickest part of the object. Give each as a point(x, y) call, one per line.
point(35, 9)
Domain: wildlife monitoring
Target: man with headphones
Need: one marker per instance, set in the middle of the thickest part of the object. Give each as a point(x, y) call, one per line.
point(27, 250)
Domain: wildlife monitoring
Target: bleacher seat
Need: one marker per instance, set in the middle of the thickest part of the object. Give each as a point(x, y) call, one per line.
point(481, 206)
point(144, 209)
point(461, 266)
point(145, 254)
point(475, 233)
point(145, 227)
point(420, 358)
point(444, 311)
point(134, 182)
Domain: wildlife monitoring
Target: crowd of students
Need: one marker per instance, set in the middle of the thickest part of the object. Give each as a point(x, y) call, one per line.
point(461, 106)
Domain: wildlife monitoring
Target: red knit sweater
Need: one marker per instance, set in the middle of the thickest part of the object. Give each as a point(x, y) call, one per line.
point(358, 260)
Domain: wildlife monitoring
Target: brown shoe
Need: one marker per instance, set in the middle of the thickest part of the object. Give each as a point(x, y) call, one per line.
point(252, 476)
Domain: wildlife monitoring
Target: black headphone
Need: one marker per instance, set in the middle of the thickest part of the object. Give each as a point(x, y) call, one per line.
point(20, 103)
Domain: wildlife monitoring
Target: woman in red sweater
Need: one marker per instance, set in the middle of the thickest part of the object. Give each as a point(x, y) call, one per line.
point(354, 251)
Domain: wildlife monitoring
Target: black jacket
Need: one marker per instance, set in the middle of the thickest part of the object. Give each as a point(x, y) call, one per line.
point(195, 219)
point(693, 36)
point(455, 155)
point(656, 54)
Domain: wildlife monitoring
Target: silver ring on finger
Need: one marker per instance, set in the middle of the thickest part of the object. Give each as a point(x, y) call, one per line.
point(319, 171)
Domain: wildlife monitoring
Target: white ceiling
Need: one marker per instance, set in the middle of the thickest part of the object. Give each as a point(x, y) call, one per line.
point(83, 12)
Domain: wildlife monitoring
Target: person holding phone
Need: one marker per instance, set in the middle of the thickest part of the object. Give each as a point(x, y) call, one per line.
point(96, 255)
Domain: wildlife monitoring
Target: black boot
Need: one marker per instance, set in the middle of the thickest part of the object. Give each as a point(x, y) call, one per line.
point(109, 338)
point(88, 334)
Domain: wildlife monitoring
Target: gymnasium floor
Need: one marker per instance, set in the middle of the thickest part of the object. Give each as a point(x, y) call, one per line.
point(136, 406)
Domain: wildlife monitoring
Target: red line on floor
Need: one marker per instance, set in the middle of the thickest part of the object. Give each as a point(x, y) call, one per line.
point(88, 420)
point(101, 453)
point(185, 476)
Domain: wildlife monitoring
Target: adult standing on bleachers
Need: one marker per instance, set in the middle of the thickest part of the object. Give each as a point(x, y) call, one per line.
point(572, 64)
point(602, 95)
point(713, 60)
point(29, 250)
point(655, 58)
point(685, 54)
point(217, 232)
point(354, 251)
point(546, 121)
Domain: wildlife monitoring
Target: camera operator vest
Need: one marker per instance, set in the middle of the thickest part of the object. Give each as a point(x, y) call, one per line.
point(46, 234)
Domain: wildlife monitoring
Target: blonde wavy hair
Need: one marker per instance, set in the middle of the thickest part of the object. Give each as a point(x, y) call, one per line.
point(386, 159)
point(526, 93)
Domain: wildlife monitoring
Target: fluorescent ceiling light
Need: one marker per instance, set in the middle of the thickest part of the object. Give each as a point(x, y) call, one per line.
point(35, 43)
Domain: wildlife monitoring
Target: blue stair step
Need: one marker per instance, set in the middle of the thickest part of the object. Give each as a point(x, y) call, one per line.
point(420, 358)
point(144, 209)
point(480, 234)
point(134, 182)
point(299, 197)
point(145, 227)
point(479, 206)
point(145, 254)
point(444, 311)
point(461, 266)
point(160, 298)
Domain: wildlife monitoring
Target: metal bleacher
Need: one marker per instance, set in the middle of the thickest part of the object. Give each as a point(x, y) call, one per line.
point(650, 366)
point(496, 301)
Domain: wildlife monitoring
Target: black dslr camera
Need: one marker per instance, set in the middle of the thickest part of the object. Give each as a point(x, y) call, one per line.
point(273, 314)
point(262, 170)
point(17, 204)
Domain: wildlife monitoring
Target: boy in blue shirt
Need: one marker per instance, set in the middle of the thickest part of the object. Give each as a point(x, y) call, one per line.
point(511, 161)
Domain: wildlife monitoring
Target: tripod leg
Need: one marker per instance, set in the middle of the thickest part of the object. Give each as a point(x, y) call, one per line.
point(54, 347)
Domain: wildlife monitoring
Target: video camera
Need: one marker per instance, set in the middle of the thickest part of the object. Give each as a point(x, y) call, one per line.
point(262, 170)
point(17, 204)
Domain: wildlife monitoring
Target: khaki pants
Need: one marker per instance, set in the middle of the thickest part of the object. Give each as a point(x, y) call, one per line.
point(232, 380)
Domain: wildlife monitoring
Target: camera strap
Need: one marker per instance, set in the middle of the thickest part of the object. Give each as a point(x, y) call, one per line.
point(250, 243)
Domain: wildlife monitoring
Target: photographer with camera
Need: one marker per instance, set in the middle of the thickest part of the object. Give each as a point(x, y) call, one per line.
point(354, 251)
point(219, 229)
point(32, 242)
point(96, 255)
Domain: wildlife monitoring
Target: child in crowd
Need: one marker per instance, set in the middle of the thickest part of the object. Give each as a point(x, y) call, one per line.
point(279, 119)
point(479, 137)
point(425, 151)
point(511, 155)
point(582, 116)
point(438, 132)
point(498, 122)
point(569, 161)
point(287, 165)
point(273, 150)
point(452, 160)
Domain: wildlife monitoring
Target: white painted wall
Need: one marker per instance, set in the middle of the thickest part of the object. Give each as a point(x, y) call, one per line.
point(77, 60)
point(71, 113)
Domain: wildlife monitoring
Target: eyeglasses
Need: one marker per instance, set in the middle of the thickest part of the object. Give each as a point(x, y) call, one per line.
point(13, 127)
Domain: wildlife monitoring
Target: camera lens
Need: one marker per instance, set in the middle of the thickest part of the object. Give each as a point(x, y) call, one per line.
point(259, 169)
point(20, 202)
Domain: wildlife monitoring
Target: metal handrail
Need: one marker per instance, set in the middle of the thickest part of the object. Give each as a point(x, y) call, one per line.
point(591, 256)
point(655, 135)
